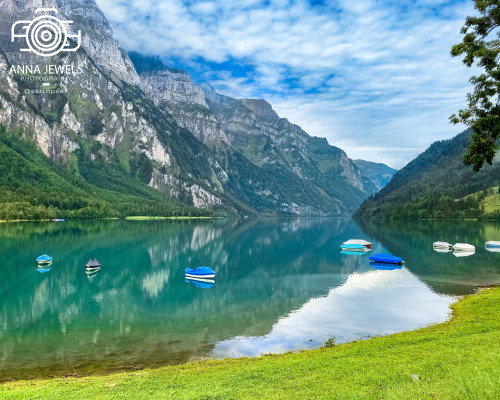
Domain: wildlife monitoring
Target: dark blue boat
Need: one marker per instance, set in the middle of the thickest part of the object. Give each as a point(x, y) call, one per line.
point(387, 259)
point(200, 272)
point(385, 266)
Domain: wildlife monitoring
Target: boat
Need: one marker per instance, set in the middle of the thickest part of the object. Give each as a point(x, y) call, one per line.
point(492, 244)
point(354, 247)
point(386, 259)
point(493, 249)
point(442, 245)
point(463, 253)
point(57, 220)
point(464, 247)
point(359, 241)
point(92, 264)
point(200, 273)
point(44, 260)
point(385, 266)
point(201, 283)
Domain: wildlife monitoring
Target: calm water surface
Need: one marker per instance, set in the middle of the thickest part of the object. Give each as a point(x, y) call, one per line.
point(281, 285)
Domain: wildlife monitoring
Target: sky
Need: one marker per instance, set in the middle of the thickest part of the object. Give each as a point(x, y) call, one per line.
point(374, 77)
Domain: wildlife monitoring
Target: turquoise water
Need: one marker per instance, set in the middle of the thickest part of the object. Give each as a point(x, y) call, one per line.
point(281, 285)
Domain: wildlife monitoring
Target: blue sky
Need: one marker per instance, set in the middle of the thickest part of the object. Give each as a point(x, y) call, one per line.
point(375, 77)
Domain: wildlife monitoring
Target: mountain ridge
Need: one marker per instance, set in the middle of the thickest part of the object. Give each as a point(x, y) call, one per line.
point(198, 148)
point(436, 184)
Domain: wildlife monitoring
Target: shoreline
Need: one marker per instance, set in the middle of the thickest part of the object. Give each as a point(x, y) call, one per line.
point(131, 218)
point(445, 359)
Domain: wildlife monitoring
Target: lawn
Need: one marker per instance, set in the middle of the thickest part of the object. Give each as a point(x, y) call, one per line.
point(459, 359)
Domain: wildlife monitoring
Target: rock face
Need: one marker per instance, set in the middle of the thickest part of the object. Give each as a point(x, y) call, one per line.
point(196, 146)
point(252, 128)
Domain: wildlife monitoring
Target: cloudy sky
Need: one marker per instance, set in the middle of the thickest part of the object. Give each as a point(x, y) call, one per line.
point(375, 77)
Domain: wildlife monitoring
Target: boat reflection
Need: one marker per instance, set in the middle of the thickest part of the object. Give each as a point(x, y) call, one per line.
point(92, 273)
point(201, 283)
point(385, 266)
point(44, 269)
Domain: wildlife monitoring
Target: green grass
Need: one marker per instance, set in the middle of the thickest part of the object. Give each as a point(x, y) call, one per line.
point(459, 359)
point(492, 202)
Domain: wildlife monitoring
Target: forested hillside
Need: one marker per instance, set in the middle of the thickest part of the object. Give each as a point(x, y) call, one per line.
point(35, 187)
point(436, 185)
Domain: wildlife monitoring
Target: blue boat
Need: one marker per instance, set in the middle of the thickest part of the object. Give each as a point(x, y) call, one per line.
point(44, 260)
point(387, 259)
point(385, 266)
point(201, 283)
point(200, 272)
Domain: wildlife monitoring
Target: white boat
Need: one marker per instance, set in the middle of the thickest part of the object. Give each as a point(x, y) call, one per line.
point(442, 245)
point(464, 247)
point(493, 249)
point(493, 244)
point(463, 253)
point(363, 242)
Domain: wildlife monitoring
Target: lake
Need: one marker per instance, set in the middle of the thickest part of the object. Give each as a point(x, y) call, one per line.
point(281, 285)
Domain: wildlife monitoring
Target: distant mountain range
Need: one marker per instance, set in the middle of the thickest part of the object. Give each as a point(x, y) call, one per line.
point(132, 126)
point(438, 185)
point(379, 174)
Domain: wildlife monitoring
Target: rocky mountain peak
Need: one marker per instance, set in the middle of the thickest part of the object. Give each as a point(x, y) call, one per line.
point(260, 107)
point(97, 34)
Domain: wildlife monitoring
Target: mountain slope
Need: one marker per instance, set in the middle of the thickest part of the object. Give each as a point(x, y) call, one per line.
point(379, 174)
point(434, 185)
point(298, 162)
point(156, 128)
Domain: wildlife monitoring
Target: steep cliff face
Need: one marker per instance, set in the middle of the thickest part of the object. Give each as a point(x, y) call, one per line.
point(154, 124)
point(253, 129)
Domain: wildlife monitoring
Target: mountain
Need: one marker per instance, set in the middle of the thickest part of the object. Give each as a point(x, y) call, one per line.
point(380, 174)
point(435, 185)
point(134, 126)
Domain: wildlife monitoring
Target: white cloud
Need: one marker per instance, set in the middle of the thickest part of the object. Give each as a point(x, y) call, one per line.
point(364, 74)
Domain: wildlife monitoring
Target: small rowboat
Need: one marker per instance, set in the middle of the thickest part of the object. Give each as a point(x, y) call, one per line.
point(200, 273)
point(354, 247)
point(92, 264)
point(359, 241)
point(442, 245)
point(44, 260)
point(386, 259)
point(464, 247)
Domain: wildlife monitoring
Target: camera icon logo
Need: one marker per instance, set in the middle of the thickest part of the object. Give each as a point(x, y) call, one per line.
point(46, 35)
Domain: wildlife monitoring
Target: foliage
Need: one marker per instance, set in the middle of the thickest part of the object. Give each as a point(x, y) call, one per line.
point(34, 187)
point(434, 185)
point(455, 360)
point(483, 112)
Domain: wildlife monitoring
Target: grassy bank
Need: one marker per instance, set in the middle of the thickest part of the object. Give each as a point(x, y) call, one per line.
point(459, 359)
